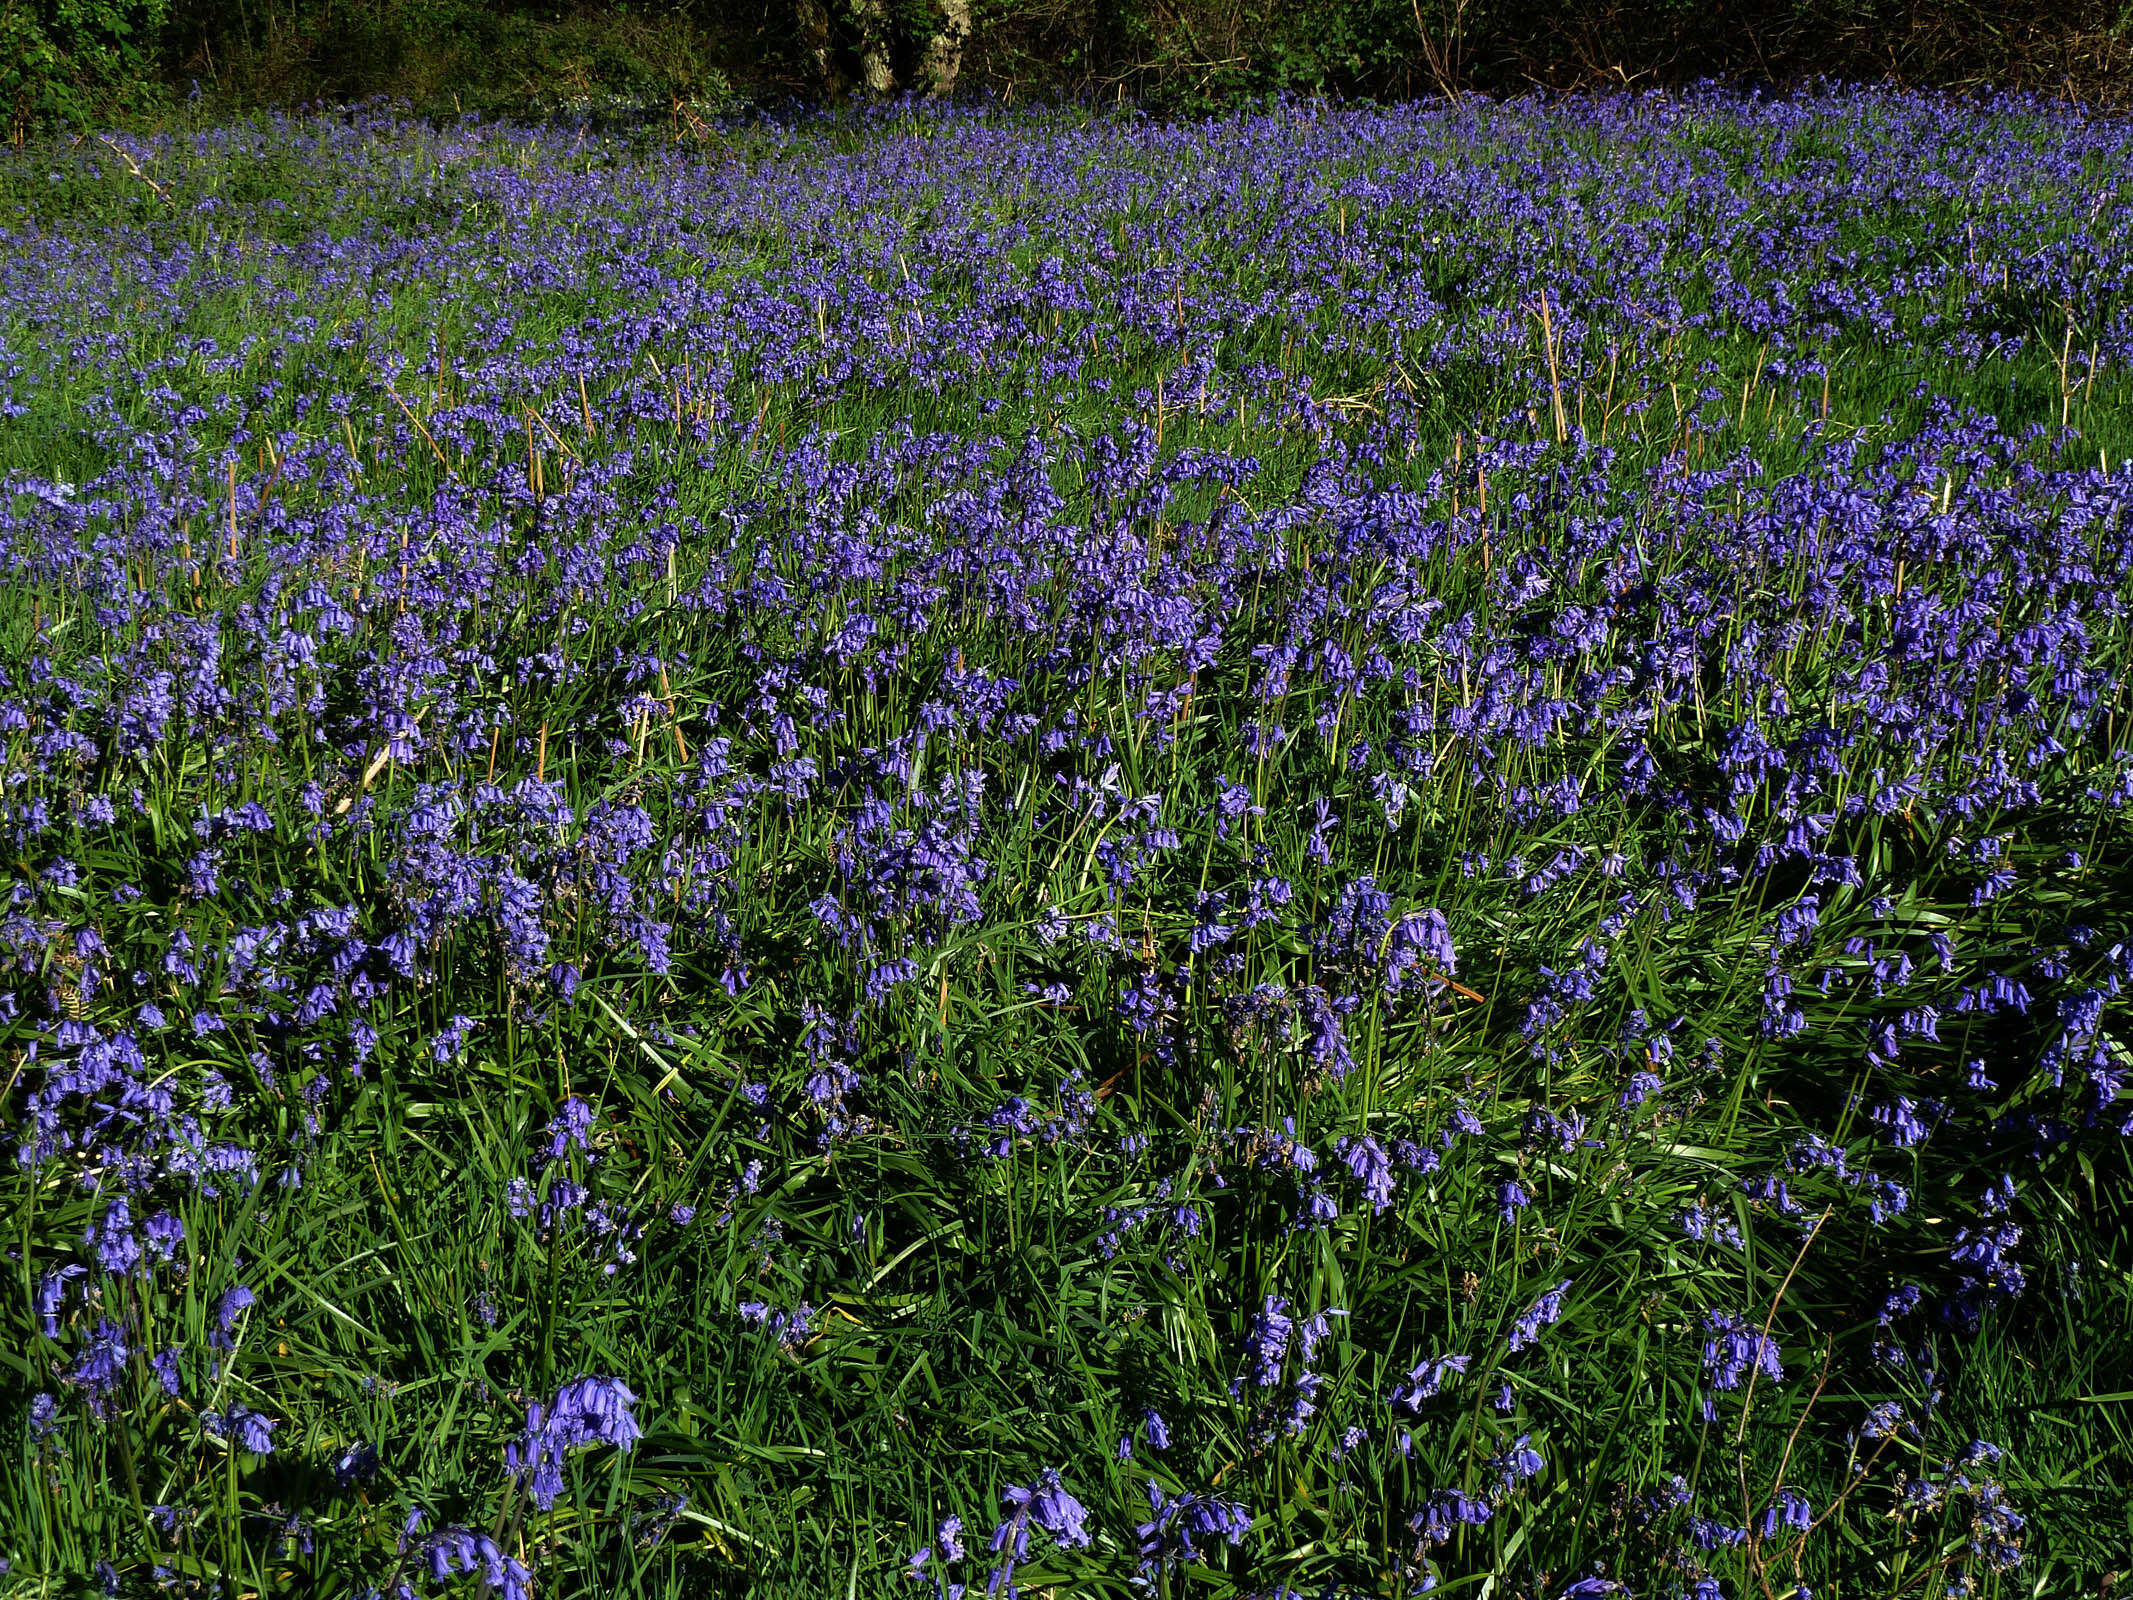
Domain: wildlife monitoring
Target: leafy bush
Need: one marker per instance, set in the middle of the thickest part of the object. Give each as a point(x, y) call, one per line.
point(460, 55)
point(78, 60)
point(1196, 53)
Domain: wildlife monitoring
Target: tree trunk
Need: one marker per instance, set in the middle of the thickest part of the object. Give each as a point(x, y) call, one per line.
point(944, 56)
point(811, 26)
point(875, 69)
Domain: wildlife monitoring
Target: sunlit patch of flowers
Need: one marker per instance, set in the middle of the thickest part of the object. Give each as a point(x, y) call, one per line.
point(1175, 839)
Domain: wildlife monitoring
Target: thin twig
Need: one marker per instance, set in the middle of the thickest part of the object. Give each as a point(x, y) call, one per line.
point(419, 428)
point(1754, 1370)
point(134, 167)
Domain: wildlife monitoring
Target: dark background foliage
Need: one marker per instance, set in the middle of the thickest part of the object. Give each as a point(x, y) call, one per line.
point(83, 60)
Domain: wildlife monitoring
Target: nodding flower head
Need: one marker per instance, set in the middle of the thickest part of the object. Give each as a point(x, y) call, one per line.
point(1180, 1520)
point(242, 1427)
point(1444, 1513)
point(585, 1412)
point(1733, 1347)
point(1427, 1379)
point(1788, 1509)
point(233, 1304)
point(1544, 1312)
point(1517, 1462)
point(1044, 1504)
point(570, 1129)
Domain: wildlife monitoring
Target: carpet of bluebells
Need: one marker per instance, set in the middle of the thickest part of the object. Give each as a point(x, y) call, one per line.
point(970, 851)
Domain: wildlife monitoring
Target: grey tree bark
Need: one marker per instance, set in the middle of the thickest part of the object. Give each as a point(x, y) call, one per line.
point(875, 69)
point(811, 23)
point(944, 55)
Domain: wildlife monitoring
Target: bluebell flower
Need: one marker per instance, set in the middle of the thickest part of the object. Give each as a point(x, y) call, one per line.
point(1367, 1160)
point(1516, 1462)
point(587, 1411)
point(1045, 1504)
point(570, 1129)
point(1882, 1420)
point(43, 1416)
point(1444, 1513)
point(356, 1464)
point(243, 1427)
point(1526, 1327)
point(1511, 1198)
point(1712, 1535)
point(1157, 1431)
point(448, 1043)
point(232, 1304)
point(1427, 1379)
point(1788, 1508)
point(101, 1366)
point(791, 1329)
point(1180, 1520)
point(117, 1248)
point(1733, 1346)
point(459, 1550)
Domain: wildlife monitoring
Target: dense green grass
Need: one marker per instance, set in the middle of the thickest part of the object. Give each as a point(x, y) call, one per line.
point(563, 424)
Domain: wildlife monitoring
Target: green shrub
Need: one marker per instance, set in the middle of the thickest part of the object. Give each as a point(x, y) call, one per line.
point(456, 55)
point(75, 60)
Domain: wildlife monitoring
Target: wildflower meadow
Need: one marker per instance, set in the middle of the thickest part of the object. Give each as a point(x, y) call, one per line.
point(971, 850)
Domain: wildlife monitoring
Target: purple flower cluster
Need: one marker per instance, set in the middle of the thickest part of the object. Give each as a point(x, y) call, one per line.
point(1178, 1520)
point(1280, 1377)
point(585, 1412)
